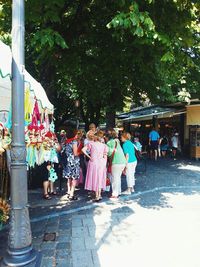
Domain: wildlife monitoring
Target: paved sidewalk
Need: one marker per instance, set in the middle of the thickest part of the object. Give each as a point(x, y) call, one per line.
point(156, 226)
point(165, 173)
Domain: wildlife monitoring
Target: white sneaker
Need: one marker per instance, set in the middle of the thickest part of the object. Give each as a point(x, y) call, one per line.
point(113, 198)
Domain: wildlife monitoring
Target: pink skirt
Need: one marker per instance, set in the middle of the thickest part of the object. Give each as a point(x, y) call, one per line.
point(96, 175)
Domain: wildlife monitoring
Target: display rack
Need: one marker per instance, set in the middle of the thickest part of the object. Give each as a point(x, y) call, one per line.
point(195, 142)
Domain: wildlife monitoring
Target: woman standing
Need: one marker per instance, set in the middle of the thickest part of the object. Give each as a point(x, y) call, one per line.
point(71, 162)
point(164, 145)
point(96, 170)
point(117, 161)
point(131, 162)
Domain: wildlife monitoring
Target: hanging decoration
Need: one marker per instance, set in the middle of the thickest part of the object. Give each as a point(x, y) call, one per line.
point(41, 141)
point(52, 175)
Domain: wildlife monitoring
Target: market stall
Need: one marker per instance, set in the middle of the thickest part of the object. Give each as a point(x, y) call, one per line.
point(193, 121)
point(39, 122)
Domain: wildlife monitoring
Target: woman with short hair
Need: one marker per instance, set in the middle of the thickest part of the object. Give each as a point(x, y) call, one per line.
point(131, 162)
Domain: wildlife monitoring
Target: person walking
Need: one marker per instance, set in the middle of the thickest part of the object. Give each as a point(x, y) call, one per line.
point(175, 144)
point(164, 145)
point(117, 161)
point(153, 143)
point(71, 162)
point(131, 162)
point(96, 151)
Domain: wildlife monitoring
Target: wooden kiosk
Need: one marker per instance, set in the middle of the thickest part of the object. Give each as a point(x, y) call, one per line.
point(193, 120)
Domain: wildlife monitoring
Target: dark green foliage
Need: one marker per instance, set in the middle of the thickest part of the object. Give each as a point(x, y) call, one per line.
point(102, 51)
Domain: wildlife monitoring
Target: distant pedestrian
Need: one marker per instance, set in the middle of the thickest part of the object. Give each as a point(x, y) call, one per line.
point(175, 144)
point(92, 127)
point(164, 145)
point(154, 142)
point(96, 151)
point(137, 143)
point(131, 162)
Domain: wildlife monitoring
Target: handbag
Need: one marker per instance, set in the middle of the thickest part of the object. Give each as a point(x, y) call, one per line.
point(111, 158)
point(137, 152)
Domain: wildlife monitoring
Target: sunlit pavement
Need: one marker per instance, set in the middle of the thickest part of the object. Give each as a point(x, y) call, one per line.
point(157, 226)
point(142, 236)
point(132, 232)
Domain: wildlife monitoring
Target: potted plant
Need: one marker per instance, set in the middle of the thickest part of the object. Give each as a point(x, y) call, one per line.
point(4, 212)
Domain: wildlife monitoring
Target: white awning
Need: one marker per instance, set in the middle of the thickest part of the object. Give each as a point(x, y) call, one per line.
point(36, 89)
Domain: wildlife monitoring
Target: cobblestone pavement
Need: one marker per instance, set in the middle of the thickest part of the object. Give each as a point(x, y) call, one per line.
point(165, 173)
point(156, 226)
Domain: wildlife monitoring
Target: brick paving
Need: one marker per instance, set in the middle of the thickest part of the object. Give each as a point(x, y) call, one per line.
point(156, 226)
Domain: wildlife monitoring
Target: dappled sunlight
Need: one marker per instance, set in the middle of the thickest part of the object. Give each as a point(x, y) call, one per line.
point(181, 200)
point(169, 236)
point(189, 167)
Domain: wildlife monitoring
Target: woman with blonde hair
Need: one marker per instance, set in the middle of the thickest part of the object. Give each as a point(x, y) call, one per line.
point(131, 162)
point(96, 170)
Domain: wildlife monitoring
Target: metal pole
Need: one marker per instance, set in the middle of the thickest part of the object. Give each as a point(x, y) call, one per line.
point(19, 251)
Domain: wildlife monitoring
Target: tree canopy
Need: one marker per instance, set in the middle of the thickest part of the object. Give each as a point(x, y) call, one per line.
point(102, 52)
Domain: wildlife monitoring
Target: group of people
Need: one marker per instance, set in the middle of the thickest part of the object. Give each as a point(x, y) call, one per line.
point(99, 158)
point(95, 159)
point(159, 145)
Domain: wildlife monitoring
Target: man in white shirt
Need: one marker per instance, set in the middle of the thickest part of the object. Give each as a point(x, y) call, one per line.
point(175, 144)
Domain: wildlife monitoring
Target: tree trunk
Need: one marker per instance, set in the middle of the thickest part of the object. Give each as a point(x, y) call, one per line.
point(110, 119)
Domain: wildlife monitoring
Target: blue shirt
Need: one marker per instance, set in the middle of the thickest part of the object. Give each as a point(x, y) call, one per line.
point(154, 136)
point(129, 149)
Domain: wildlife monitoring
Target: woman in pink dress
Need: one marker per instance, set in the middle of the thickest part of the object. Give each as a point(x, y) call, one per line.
point(96, 170)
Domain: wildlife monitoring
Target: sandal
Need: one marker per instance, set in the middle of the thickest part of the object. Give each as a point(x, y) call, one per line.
point(96, 199)
point(73, 198)
point(53, 193)
point(47, 196)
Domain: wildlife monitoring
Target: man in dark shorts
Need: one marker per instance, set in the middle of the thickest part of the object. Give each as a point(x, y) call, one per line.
point(154, 142)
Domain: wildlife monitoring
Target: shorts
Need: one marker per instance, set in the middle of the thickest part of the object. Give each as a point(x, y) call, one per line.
point(154, 145)
point(164, 147)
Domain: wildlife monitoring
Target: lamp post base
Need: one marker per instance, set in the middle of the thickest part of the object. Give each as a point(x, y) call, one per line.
point(23, 257)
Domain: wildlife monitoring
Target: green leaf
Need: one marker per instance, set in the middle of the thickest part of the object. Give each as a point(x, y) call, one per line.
point(168, 57)
point(139, 32)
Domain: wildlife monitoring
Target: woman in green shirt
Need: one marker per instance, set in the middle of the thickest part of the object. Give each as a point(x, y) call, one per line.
point(118, 160)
